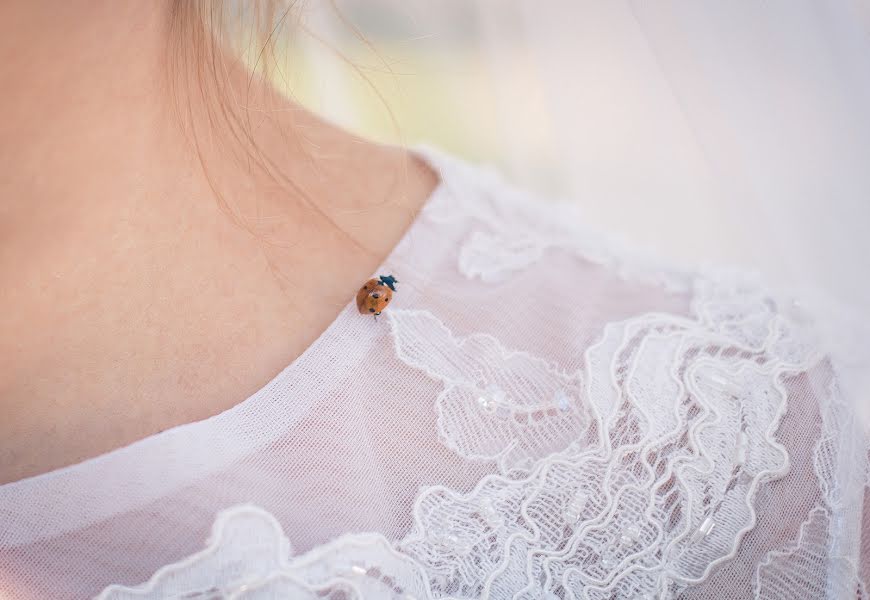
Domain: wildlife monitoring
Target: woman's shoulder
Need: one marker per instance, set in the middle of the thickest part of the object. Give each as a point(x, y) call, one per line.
point(515, 239)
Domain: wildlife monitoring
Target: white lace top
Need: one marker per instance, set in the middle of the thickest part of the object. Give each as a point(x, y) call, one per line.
point(539, 414)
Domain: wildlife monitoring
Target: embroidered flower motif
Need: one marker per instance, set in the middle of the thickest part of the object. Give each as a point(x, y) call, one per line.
point(496, 404)
point(494, 253)
point(248, 557)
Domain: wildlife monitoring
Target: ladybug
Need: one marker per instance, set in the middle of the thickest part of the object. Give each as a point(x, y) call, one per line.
point(375, 295)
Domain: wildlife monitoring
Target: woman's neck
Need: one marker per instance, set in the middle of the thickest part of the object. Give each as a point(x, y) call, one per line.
point(147, 280)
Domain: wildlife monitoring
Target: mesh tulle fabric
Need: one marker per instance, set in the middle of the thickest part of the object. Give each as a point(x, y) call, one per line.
point(541, 413)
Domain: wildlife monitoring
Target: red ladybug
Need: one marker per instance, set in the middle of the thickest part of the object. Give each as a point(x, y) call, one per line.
point(375, 295)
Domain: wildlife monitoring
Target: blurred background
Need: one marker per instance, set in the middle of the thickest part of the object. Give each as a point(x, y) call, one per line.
point(719, 132)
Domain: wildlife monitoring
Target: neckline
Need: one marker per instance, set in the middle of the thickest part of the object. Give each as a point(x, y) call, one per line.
point(199, 442)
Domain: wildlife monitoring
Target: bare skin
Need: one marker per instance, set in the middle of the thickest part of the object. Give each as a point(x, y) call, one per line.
point(130, 302)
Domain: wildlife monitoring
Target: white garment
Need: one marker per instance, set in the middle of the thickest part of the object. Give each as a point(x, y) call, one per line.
point(540, 413)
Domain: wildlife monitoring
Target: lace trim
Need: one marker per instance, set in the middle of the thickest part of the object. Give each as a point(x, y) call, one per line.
point(493, 257)
point(507, 244)
point(248, 556)
point(639, 492)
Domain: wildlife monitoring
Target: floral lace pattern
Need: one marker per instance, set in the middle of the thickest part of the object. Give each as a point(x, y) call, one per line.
point(503, 243)
point(633, 478)
point(684, 413)
point(495, 256)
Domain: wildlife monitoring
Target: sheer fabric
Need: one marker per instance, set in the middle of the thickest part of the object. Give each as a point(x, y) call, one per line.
point(543, 412)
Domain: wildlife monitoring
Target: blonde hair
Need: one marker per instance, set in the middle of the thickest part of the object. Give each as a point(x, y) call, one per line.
point(202, 33)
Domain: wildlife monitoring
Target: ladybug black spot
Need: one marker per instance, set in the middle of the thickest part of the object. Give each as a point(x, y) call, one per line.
point(376, 295)
point(386, 299)
point(371, 310)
